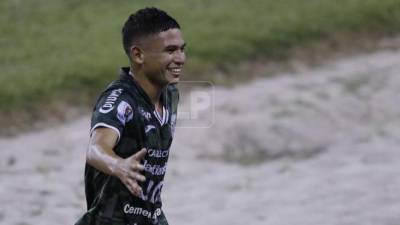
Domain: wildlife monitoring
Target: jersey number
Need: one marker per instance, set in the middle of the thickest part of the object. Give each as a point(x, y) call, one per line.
point(153, 192)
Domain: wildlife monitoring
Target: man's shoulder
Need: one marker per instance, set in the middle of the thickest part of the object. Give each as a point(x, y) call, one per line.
point(119, 83)
point(121, 86)
point(117, 93)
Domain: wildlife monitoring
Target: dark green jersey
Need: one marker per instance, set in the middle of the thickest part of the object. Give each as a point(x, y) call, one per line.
point(126, 108)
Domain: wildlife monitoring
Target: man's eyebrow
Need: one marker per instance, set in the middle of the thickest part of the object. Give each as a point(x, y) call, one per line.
point(175, 46)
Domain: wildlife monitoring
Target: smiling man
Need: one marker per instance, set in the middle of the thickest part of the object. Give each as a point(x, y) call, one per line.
point(133, 124)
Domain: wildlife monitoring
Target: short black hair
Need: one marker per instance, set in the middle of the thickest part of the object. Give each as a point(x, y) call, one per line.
point(145, 22)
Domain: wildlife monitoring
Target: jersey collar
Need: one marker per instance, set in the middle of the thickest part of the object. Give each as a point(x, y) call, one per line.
point(125, 75)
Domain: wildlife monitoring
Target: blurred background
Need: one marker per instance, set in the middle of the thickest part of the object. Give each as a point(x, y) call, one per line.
point(306, 109)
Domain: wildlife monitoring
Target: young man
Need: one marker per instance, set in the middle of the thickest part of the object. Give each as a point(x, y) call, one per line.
point(133, 124)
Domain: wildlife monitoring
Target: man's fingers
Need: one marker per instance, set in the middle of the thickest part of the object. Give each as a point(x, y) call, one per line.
point(139, 167)
point(137, 176)
point(140, 154)
point(136, 166)
point(134, 188)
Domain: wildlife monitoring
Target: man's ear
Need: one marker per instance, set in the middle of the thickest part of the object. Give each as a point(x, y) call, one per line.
point(136, 54)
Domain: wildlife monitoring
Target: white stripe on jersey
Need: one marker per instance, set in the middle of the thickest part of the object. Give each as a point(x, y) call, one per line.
point(164, 118)
point(105, 125)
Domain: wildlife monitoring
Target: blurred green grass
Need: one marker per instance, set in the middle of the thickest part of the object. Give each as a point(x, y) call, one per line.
point(52, 50)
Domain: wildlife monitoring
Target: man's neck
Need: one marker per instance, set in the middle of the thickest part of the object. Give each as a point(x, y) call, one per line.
point(153, 91)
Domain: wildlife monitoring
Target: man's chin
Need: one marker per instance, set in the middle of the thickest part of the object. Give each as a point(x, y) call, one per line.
point(174, 81)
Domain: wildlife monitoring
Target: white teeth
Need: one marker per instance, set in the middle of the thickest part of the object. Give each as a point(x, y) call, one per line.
point(176, 70)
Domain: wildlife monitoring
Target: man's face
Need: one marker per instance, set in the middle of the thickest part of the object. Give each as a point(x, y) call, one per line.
point(164, 57)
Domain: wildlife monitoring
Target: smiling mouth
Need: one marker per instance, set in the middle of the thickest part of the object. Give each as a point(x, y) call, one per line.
point(175, 71)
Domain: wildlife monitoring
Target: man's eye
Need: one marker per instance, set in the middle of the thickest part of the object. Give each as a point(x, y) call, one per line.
point(170, 50)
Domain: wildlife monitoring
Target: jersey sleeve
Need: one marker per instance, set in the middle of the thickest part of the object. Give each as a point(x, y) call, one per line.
point(113, 110)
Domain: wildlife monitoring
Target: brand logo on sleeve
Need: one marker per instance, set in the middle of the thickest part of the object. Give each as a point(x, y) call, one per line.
point(110, 101)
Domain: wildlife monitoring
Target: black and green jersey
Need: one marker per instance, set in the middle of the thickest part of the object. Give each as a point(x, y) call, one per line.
point(126, 108)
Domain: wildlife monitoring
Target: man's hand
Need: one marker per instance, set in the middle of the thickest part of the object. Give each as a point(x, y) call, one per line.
point(128, 171)
point(100, 154)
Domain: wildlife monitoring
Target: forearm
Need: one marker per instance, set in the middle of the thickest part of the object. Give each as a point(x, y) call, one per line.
point(102, 159)
point(100, 153)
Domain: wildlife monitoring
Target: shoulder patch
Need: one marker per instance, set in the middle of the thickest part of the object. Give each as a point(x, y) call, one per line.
point(109, 104)
point(124, 112)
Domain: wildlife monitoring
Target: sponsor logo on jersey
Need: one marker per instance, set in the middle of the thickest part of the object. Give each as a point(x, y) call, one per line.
point(128, 209)
point(110, 101)
point(145, 114)
point(124, 112)
point(154, 169)
point(158, 153)
point(148, 128)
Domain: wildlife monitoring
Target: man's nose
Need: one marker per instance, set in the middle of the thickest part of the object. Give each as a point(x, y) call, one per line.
point(180, 57)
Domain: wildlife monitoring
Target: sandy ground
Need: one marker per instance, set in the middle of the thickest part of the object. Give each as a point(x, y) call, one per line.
point(316, 147)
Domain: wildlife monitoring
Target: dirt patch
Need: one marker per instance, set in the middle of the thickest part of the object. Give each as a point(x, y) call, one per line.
point(302, 58)
point(42, 116)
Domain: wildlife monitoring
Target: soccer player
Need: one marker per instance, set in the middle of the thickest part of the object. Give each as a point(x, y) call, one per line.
point(132, 125)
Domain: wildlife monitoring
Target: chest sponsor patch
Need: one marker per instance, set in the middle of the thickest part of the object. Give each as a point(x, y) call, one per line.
point(158, 153)
point(124, 112)
point(157, 170)
point(138, 211)
point(110, 101)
